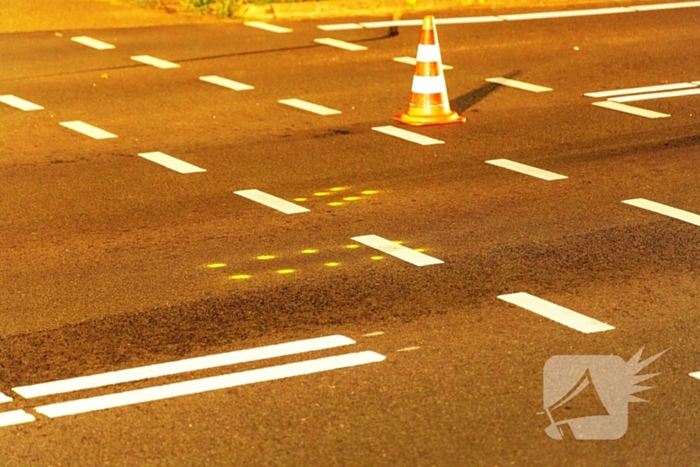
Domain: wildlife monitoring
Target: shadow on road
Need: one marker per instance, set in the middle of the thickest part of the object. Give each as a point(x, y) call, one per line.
point(470, 99)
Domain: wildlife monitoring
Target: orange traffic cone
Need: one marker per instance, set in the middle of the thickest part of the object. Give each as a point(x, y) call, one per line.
point(429, 104)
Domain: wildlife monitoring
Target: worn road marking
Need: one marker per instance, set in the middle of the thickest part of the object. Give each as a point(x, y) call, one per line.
point(171, 162)
point(669, 211)
point(156, 62)
point(398, 251)
point(271, 201)
point(413, 61)
point(518, 84)
point(407, 135)
point(556, 313)
point(19, 103)
point(309, 107)
point(656, 95)
point(628, 109)
point(88, 130)
point(566, 14)
point(15, 417)
point(373, 334)
point(208, 384)
point(227, 83)
point(623, 92)
point(182, 366)
point(340, 44)
point(267, 27)
point(526, 169)
point(90, 42)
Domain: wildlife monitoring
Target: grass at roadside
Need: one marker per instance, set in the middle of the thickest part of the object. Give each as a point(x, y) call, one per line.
point(221, 8)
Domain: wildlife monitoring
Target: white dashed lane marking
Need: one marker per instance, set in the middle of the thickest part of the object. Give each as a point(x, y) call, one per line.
point(182, 366)
point(15, 417)
point(407, 135)
point(267, 27)
point(413, 61)
point(623, 92)
point(669, 211)
point(4, 398)
point(518, 84)
point(171, 162)
point(88, 130)
point(526, 169)
point(340, 44)
point(227, 83)
point(271, 201)
point(19, 103)
point(309, 107)
point(213, 383)
point(156, 62)
point(695, 375)
point(556, 313)
point(656, 95)
point(398, 251)
point(340, 27)
point(90, 42)
point(628, 109)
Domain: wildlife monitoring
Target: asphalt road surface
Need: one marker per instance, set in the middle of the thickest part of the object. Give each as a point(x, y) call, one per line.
point(112, 261)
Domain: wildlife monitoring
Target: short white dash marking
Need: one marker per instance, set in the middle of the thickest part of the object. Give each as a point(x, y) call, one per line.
point(407, 135)
point(156, 62)
point(15, 417)
point(227, 83)
point(413, 61)
point(19, 103)
point(556, 313)
point(623, 92)
point(90, 42)
point(4, 398)
point(695, 375)
point(566, 14)
point(526, 169)
point(374, 334)
point(267, 27)
point(628, 109)
point(398, 251)
point(339, 27)
point(209, 384)
point(340, 44)
point(518, 84)
point(665, 6)
point(408, 349)
point(171, 162)
point(656, 95)
point(88, 130)
point(309, 107)
point(182, 366)
point(271, 201)
point(669, 211)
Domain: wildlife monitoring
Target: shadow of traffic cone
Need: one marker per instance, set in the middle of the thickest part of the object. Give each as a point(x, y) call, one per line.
point(429, 104)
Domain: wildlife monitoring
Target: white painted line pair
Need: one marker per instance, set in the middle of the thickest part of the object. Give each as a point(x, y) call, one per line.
point(616, 97)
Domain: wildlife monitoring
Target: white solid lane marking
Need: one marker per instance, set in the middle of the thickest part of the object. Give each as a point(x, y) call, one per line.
point(695, 375)
point(665, 6)
point(171, 162)
point(526, 169)
point(227, 83)
point(339, 27)
point(156, 62)
point(556, 313)
point(90, 42)
point(628, 109)
point(468, 20)
point(19, 103)
point(267, 27)
point(389, 24)
point(208, 384)
point(398, 251)
point(309, 107)
point(518, 84)
point(271, 201)
point(413, 61)
point(182, 366)
point(407, 135)
point(622, 92)
point(566, 14)
point(669, 211)
point(15, 417)
point(340, 44)
point(656, 95)
point(88, 130)
point(4, 398)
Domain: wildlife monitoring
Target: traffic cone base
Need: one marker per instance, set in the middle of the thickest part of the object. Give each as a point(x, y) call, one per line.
point(424, 120)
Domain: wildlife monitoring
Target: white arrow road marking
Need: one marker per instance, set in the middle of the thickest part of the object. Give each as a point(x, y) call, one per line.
point(398, 251)
point(659, 208)
point(88, 130)
point(156, 62)
point(208, 384)
point(15, 417)
point(309, 107)
point(227, 83)
point(340, 44)
point(90, 42)
point(623, 92)
point(171, 162)
point(407, 135)
point(556, 313)
point(19, 103)
point(628, 109)
point(182, 366)
point(271, 201)
point(518, 84)
point(267, 27)
point(526, 169)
